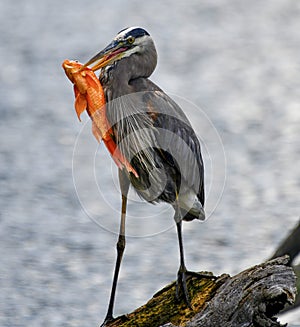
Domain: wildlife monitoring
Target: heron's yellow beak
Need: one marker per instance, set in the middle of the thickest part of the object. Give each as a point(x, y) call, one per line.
point(111, 53)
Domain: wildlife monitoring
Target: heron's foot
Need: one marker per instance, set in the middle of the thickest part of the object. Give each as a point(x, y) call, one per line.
point(107, 320)
point(182, 276)
point(181, 284)
point(201, 275)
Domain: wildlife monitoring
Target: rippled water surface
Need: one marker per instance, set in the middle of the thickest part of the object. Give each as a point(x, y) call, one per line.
point(234, 68)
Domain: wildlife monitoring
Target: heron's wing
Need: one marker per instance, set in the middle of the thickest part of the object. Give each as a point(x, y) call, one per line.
point(148, 119)
point(176, 137)
point(133, 128)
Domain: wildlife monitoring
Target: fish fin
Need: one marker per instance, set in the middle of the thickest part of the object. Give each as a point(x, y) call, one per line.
point(76, 91)
point(122, 162)
point(96, 131)
point(80, 102)
point(93, 81)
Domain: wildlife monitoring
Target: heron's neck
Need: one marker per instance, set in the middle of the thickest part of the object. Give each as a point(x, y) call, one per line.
point(116, 79)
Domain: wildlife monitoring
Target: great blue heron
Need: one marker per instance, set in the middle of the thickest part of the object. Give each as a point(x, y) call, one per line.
point(154, 134)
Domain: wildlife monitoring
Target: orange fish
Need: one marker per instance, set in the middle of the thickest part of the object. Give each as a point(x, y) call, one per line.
point(89, 96)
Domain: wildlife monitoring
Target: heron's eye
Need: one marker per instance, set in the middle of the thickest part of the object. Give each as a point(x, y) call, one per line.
point(130, 39)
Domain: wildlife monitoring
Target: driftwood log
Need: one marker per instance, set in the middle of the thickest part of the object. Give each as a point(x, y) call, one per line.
point(251, 298)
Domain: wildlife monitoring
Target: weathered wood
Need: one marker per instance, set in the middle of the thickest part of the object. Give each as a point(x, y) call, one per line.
point(297, 272)
point(251, 298)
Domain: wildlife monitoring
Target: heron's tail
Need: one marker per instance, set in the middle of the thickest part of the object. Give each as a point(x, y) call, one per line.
point(188, 207)
point(196, 212)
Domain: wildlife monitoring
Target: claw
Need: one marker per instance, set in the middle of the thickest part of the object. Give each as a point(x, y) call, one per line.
point(106, 320)
point(109, 318)
point(182, 276)
point(181, 283)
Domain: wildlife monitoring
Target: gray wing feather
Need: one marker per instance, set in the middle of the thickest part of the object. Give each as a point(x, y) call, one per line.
point(177, 134)
point(147, 118)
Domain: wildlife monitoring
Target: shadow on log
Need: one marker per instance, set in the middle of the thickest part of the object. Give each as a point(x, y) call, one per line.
point(250, 298)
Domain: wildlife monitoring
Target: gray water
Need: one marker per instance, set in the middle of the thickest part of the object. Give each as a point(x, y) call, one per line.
point(234, 68)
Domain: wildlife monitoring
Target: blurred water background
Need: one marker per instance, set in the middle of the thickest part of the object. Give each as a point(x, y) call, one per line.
point(237, 65)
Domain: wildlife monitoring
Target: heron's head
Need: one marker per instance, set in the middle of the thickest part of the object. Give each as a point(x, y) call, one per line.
point(129, 42)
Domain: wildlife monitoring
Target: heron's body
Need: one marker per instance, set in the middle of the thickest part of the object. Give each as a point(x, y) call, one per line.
point(153, 133)
point(141, 112)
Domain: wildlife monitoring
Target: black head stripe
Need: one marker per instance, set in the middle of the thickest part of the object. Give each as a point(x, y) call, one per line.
point(135, 32)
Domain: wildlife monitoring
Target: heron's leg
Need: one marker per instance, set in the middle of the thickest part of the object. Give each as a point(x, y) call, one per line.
point(182, 272)
point(124, 185)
